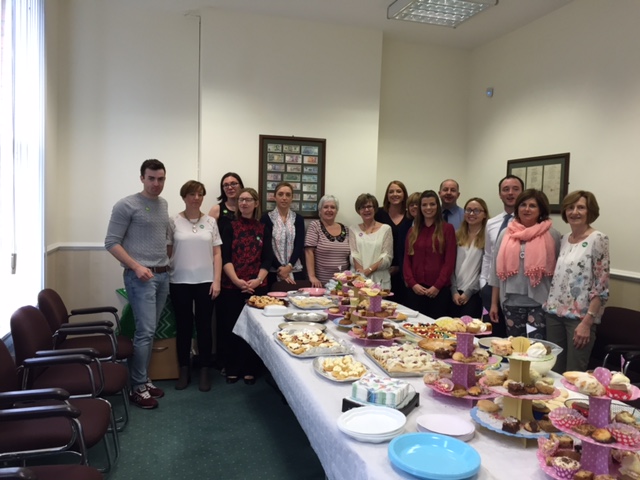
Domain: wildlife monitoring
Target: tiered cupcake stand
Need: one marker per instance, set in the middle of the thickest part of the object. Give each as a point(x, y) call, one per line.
point(518, 406)
point(596, 457)
point(463, 373)
point(374, 325)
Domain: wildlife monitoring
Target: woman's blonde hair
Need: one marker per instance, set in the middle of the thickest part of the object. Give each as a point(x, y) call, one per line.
point(462, 235)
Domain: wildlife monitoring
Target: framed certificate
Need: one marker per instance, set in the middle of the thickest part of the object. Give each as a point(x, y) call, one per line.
point(549, 173)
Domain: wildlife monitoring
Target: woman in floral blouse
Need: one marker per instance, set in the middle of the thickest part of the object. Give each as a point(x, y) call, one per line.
point(580, 285)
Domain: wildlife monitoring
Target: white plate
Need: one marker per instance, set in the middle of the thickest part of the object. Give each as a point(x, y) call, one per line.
point(302, 326)
point(445, 424)
point(486, 341)
point(372, 421)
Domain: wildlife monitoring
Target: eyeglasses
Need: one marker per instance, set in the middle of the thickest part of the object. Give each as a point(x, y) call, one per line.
point(366, 207)
point(230, 185)
point(245, 200)
point(473, 211)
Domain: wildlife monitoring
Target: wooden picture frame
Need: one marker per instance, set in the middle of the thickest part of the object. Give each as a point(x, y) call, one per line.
point(297, 160)
point(549, 173)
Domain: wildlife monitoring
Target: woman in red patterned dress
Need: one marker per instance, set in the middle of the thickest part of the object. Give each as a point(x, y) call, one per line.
point(246, 257)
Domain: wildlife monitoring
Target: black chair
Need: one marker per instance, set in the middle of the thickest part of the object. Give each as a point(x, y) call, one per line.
point(85, 377)
point(109, 345)
point(51, 472)
point(94, 419)
point(618, 334)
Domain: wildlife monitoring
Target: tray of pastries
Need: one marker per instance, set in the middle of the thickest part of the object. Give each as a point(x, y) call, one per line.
point(311, 303)
point(309, 343)
point(404, 360)
point(426, 330)
point(464, 325)
point(261, 301)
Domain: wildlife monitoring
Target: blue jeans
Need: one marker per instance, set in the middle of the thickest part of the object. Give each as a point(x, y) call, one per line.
point(147, 299)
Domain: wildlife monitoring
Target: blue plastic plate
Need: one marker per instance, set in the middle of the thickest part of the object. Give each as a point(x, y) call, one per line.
point(432, 456)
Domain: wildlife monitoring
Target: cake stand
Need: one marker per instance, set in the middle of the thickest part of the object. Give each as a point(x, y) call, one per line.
point(520, 406)
point(595, 456)
point(463, 373)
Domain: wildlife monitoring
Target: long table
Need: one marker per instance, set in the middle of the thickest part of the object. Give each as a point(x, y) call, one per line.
point(317, 404)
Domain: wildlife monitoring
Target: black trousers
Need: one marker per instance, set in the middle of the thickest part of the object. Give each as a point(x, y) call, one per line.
point(435, 308)
point(473, 307)
point(192, 302)
point(238, 358)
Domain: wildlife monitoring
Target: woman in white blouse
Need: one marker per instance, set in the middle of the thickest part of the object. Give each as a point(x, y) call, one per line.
point(371, 243)
point(580, 285)
point(465, 282)
point(196, 269)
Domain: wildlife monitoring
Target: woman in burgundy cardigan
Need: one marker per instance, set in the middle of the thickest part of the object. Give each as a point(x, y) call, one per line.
point(246, 257)
point(430, 259)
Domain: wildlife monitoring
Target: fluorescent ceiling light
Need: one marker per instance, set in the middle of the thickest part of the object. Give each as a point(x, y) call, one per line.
point(448, 13)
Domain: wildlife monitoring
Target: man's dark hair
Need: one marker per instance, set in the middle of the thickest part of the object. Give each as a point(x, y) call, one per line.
point(151, 164)
point(507, 178)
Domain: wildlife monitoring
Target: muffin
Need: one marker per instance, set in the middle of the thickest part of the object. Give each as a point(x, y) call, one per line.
point(565, 467)
point(602, 435)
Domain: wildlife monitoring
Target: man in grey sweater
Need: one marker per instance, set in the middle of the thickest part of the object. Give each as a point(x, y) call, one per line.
point(137, 237)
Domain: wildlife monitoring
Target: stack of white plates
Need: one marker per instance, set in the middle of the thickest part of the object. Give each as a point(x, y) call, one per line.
point(450, 425)
point(372, 424)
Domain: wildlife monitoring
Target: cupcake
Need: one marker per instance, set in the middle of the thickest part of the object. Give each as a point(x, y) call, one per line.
point(565, 467)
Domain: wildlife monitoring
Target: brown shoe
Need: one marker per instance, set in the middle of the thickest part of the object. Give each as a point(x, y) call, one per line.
point(205, 381)
point(183, 379)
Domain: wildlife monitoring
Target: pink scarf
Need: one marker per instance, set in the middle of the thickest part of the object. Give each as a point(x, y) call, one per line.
point(539, 252)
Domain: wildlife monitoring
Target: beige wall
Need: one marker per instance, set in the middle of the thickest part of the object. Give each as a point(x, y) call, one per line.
point(128, 87)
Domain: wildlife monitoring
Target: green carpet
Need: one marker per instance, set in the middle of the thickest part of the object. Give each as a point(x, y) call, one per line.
point(231, 432)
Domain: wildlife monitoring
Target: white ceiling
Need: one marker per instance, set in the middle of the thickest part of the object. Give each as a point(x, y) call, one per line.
point(497, 21)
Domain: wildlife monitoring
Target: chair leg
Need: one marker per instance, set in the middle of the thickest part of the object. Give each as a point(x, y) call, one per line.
point(124, 420)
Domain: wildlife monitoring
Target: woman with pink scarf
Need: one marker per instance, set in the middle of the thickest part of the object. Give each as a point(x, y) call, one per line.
point(523, 266)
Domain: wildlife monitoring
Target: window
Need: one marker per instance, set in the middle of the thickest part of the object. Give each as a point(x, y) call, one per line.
point(22, 82)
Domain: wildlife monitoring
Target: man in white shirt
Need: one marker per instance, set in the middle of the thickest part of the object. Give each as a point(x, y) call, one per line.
point(449, 193)
point(508, 189)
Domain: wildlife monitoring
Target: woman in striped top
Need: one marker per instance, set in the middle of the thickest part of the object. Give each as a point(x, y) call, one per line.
point(326, 243)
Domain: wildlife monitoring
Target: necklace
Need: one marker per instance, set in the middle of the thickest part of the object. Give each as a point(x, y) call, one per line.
point(194, 228)
point(369, 230)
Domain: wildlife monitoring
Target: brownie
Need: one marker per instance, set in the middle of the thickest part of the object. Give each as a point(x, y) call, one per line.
point(511, 425)
point(515, 388)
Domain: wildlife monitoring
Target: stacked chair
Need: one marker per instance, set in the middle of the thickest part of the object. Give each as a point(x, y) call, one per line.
point(109, 345)
point(44, 422)
point(32, 333)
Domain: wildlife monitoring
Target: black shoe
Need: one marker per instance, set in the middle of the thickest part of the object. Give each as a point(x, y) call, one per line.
point(249, 380)
point(205, 381)
point(232, 379)
point(183, 379)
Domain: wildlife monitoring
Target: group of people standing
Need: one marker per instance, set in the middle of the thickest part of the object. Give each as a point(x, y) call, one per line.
point(437, 257)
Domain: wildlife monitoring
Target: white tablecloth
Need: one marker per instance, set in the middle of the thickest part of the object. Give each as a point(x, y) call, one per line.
point(317, 403)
